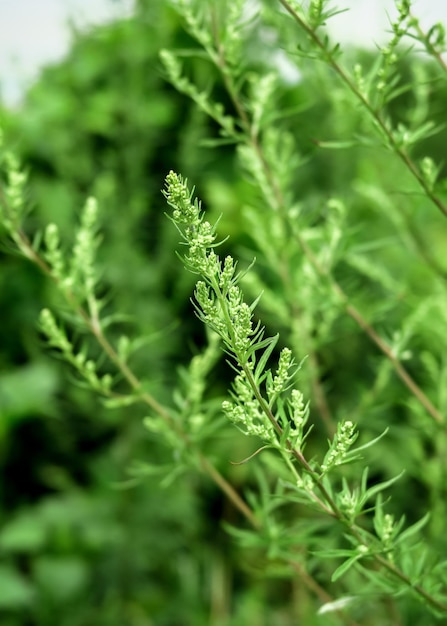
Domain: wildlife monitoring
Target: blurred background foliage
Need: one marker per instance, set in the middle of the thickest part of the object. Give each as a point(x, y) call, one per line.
point(76, 548)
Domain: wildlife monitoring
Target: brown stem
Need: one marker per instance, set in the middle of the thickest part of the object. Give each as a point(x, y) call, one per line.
point(397, 365)
point(325, 598)
point(381, 124)
point(353, 312)
point(280, 205)
point(318, 391)
point(93, 324)
point(230, 492)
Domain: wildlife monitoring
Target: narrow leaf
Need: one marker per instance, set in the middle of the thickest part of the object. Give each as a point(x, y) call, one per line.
point(412, 530)
point(372, 491)
point(345, 566)
point(354, 451)
point(270, 343)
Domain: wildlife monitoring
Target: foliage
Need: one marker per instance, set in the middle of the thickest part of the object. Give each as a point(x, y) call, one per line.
point(330, 193)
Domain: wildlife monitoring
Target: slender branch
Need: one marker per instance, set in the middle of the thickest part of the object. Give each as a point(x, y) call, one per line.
point(280, 206)
point(400, 370)
point(378, 120)
point(353, 312)
point(284, 273)
point(319, 591)
point(431, 50)
point(350, 309)
point(230, 492)
point(360, 534)
point(430, 599)
point(93, 325)
point(329, 506)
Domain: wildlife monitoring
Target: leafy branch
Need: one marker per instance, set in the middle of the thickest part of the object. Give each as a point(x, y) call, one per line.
point(76, 285)
point(245, 130)
point(76, 282)
point(397, 140)
point(262, 406)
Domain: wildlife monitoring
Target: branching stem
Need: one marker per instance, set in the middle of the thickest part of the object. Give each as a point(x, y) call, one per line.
point(280, 206)
point(375, 115)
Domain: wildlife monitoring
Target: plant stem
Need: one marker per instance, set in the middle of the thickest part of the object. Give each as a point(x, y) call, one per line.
point(280, 207)
point(431, 50)
point(375, 115)
point(353, 312)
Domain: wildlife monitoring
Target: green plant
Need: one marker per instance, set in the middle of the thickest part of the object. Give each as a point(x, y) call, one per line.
point(343, 205)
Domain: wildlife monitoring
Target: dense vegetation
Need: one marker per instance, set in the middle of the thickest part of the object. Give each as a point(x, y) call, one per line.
point(128, 495)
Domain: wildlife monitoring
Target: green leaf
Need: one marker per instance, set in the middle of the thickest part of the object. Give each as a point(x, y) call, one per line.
point(336, 145)
point(367, 445)
point(372, 491)
point(412, 530)
point(61, 578)
point(121, 401)
point(25, 533)
point(344, 567)
point(15, 591)
point(27, 389)
point(270, 344)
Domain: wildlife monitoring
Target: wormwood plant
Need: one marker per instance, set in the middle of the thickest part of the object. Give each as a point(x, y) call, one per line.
point(349, 269)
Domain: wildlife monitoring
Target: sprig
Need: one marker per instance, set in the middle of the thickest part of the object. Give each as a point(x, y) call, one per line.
point(76, 278)
point(261, 406)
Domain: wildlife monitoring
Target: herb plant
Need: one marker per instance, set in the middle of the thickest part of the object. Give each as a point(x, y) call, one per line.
point(321, 278)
